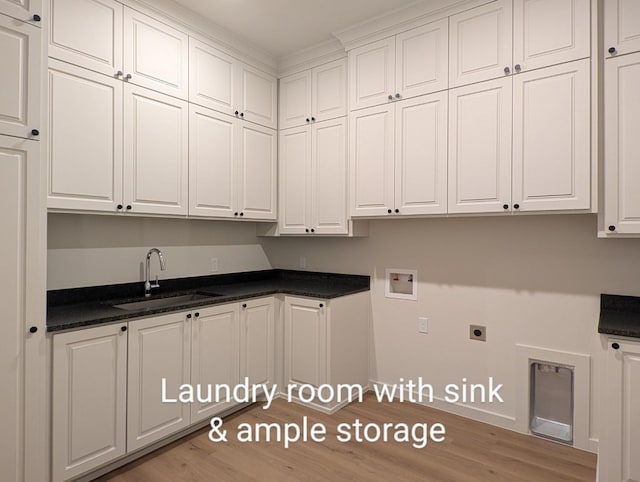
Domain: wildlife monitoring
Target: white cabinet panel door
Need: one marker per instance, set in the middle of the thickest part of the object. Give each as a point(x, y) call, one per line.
point(480, 147)
point(212, 78)
point(89, 399)
point(372, 74)
point(621, 26)
point(20, 80)
point(257, 341)
point(295, 180)
point(257, 171)
point(371, 155)
point(551, 138)
point(156, 148)
point(159, 349)
point(305, 341)
point(548, 32)
point(295, 100)
point(155, 55)
point(87, 33)
point(480, 43)
point(421, 155)
point(329, 90)
point(329, 177)
point(259, 96)
point(622, 144)
point(422, 59)
point(214, 355)
point(212, 163)
point(23, 10)
point(85, 139)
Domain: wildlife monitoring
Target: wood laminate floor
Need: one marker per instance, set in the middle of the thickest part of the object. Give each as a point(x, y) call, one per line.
point(472, 451)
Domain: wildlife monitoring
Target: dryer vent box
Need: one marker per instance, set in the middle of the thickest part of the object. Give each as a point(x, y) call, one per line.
point(401, 284)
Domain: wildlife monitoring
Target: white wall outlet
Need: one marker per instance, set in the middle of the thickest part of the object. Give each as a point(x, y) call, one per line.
point(214, 265)
point(303, 261)
point(423, 324)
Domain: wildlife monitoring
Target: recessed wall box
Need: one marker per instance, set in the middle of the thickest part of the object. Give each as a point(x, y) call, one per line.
point(401, 283)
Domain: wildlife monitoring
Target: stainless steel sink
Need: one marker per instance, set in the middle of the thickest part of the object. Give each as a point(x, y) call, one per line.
point(164, 302)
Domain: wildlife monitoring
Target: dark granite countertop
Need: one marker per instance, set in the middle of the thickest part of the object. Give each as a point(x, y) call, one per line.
point(619, 315)
point(80, 307)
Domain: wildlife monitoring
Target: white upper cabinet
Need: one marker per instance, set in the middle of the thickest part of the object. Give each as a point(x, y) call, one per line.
point(480, 147)
point(84, 145)
point(258, 96)
point(410, 64)
point(212, 78)
point(480, 43)
point(156, 149)
point(621, 26)
point(622, 144)
point(548, 32)
point(294, 180)
point(155, 55)
point(20, 82)
point(87, 33)
point(24, 10)
point(551, 138)
point(314, 95)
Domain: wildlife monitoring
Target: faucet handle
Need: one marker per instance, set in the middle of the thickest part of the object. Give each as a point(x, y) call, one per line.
point(156, 284)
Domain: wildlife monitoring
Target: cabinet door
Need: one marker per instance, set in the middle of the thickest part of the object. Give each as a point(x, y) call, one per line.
point(20, 80)
point(421, 155)
point(87, 33)
point(212, 163)
point(305, 341)
point(212, 78)
point(620, 437)
point(295, 100)
point(371, 146)
point(548, 32)
point(85, 144)
point(159, 351)
point(372, 74)
point(621, 26)
point(480, 147)
point(422, 59)
point(480, 43)
point(89, 399)
point(329, 90)
point(156, 149)
point(329, 177)
point(294, 185)
point(622, 144)
point(156, 56)
point(257, 341)
point(258, 96)
point(257, 192)
point(552, 138)
point(23, 10)
point(214, 356)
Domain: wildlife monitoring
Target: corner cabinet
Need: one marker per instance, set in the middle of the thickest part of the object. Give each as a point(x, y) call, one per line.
point(326, 342)
point(89, 399)
point(620, 419)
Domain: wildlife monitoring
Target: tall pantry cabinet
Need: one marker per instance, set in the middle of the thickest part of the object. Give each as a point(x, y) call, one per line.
point(23, 403)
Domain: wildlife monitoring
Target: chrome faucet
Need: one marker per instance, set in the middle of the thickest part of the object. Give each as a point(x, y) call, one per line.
point(147, 284)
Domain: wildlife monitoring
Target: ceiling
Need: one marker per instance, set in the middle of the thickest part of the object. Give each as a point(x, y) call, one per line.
point(282, 27)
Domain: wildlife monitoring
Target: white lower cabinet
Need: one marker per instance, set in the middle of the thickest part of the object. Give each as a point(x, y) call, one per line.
point(257, 341)
point(619, 443)
point(326, 342)
point(89, 399)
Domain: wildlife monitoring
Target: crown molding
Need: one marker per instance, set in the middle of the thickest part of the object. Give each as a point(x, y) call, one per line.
point(207, 31)
point(313, 56)
point(405, 18)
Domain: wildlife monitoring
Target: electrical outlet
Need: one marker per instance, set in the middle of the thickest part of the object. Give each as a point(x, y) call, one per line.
point(303, 261)
point(477, 332)
point(423, 326)
point(214, 265)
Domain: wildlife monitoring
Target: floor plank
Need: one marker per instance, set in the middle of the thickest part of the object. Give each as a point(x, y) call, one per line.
point(472, 451)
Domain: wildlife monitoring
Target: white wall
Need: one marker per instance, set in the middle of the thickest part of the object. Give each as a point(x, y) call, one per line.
point(85, 250)
point(532, 280)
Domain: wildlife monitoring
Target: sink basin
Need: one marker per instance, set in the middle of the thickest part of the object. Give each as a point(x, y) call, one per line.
point(164, 302)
